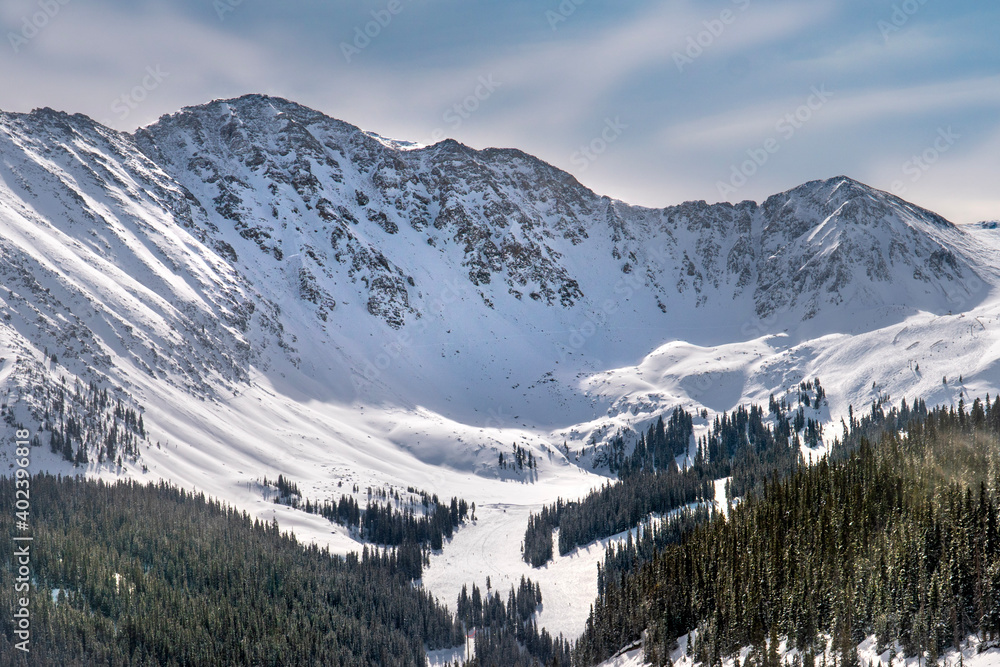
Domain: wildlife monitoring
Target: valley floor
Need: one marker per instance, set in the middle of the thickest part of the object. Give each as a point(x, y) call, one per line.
point(491, 547)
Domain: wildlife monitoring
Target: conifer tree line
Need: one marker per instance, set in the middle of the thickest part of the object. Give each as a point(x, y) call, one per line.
point(84, 423)
point(520, 458)
point(383, 524)
point(896, 535)
point(128, 574)
point(506, 635)
point(651, 537)
point(657, 451)
point(609, 510)
point(747, 445)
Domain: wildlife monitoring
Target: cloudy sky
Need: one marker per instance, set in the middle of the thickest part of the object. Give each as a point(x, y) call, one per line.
point(654, 103)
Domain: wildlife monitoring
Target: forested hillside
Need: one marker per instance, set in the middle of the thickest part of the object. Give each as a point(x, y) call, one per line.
point(127, 574)
point(895, 535)
point(746, 446)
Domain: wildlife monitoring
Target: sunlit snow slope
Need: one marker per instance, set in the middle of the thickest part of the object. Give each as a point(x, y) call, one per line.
point(284, 293)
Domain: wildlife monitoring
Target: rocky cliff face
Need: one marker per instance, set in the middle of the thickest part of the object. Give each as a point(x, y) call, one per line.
point(107, 261)
point(293, 183)
point(223, 236)
point(825, 242)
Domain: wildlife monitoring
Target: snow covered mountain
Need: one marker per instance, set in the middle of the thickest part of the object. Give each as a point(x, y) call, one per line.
point(515, 226)
point(283, 292)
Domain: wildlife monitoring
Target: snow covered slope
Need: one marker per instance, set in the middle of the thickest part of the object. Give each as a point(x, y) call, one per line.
point(284, 293)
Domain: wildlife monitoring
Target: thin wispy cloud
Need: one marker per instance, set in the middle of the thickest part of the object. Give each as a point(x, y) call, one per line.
point(698, 85)
point(865, 106)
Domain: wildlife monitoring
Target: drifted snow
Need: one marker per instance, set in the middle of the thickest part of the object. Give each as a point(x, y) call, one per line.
point(285, 294)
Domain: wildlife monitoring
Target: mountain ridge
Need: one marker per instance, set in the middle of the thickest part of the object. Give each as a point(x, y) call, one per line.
point(296, 229)
point(283, 293)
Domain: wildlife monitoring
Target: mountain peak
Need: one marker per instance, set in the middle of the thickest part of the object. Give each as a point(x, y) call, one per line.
point(256, 109)
point(249, 101)
point(255, 237)
point(837, 187)
point(842, 194)
point(52, 119)
point(351, 217)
